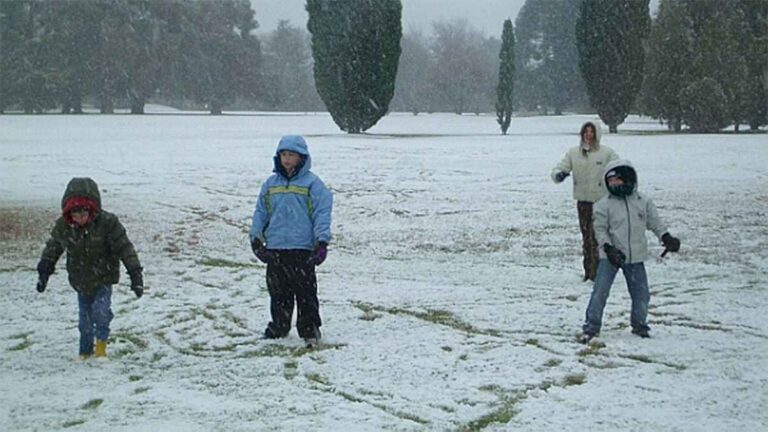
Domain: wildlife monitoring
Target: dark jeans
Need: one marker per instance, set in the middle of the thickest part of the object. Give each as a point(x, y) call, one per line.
point(289, 279)
point(95, 314)
point(637, 284)
point(588, 242)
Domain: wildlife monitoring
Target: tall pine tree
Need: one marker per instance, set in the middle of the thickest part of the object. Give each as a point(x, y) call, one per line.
point(356, 48)
point(670, 64)
point(505, 88)
point(610, 37)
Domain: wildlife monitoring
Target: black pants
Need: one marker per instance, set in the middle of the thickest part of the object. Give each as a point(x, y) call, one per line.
point(588, 242)
point(290, 278)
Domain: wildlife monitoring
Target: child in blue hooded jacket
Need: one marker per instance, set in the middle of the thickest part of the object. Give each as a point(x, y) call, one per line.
point(290, 232)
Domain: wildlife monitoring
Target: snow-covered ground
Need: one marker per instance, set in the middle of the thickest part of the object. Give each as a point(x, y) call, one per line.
point(451, 297)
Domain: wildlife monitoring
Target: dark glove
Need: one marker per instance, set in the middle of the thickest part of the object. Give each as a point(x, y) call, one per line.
point(41, 283)
point(671, 244)
point(137, 282)
point(319, 254)
point(615, 256)
point(562, 175)
point(263, 254)
point(44, 270)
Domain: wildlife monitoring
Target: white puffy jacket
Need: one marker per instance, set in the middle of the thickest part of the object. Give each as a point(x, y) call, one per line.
point(587, 168)
point(622, 221)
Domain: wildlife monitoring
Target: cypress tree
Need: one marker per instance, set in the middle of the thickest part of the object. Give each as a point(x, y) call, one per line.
point(504, 90)
point(670, 63)
point(609, 36)
point(356, 48)
point(756, 54)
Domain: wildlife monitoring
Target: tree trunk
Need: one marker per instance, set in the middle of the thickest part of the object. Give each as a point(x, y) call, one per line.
point(107, 105)
point(613, 128)
point(137, 105)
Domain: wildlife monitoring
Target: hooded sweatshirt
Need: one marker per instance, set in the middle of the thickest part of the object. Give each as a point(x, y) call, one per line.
point(587, 167)
point(622, 221)
point(292, 212)
point(94, 251)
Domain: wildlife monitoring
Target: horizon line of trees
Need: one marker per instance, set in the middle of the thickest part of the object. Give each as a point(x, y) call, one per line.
point(63, 53)
point(702, 64)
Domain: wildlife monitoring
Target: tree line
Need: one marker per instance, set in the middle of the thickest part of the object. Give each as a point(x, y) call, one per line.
point(697, 63)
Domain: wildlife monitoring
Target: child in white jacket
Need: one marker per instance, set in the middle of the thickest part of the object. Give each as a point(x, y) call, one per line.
point(620, 220)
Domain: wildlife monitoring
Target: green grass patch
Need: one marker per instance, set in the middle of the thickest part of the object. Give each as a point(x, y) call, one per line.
point(21, 346)
point(134, 378)
point(574, 379)
point(553, 363)
point(140, 390)
point(130, 338)
point(92, 404)
point(317, 378)
point(593, 348)
point(220, 262)
point(445, 318)
point(20, 335)
point(72, 423)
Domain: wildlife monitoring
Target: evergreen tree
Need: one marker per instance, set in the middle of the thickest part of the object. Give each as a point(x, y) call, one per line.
point(610, 37)
point(718, 29)
point(27, 74)
point(704, 105)
point(504, 90)
point(755, 49)
point(356, 47)
point(224, 56)
point(547, 60)
point(670, 63)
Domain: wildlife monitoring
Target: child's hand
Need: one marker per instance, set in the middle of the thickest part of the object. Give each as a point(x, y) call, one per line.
point(263, 254)
point(138, 290)
point(671, 244)
point(137, 282)
point(41, 284)
point(615, 256)
point(319, 254)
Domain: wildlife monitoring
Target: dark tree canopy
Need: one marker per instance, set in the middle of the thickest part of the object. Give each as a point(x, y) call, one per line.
point(505, 88)
point(610, 37)
point(547, 59)
point(356, 48)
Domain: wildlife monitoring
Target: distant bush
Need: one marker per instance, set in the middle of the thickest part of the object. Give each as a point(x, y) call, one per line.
point(704, 106)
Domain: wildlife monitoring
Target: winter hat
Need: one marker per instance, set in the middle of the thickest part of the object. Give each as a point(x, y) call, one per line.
point(78, 203)
point(627, 174)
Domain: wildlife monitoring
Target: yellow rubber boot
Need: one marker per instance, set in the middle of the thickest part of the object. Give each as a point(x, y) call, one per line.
point(100, 349)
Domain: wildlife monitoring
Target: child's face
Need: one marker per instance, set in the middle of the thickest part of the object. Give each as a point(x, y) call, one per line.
point(290, 160)
point(589, 134)
point(615, 181)
point(80, 217)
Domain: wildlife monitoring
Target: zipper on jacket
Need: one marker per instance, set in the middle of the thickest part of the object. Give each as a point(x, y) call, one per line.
point(629, 230)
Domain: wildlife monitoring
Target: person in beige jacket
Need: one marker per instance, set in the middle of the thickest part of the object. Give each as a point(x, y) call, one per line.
point(621, 219)
point(587, 162)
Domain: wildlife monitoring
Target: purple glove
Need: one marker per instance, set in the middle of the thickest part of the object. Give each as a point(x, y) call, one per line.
point(319, 254)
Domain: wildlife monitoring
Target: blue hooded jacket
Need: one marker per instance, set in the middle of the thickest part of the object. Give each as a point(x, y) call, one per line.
point(295, 212)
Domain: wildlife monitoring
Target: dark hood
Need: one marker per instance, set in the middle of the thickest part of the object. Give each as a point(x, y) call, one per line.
point(83, 187)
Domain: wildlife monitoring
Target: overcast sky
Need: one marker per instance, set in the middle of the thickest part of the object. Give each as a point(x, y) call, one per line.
point(486, 16)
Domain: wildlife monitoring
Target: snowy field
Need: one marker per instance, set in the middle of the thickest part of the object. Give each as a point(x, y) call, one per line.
point(450, 300)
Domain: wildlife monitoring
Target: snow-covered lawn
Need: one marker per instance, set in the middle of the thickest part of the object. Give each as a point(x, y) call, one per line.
point(451, 297)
